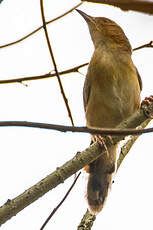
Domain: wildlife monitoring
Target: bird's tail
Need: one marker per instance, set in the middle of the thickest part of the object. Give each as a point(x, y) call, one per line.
point(100, 179)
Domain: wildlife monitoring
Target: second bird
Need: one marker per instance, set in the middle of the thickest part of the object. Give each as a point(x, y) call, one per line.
point(111, 94)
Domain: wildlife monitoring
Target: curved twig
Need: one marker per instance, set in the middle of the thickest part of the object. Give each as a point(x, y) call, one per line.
point(39, 28)
point(45, 76)
point(54, 63)
point(147, 45)
point(58, 206)
point(75, 69)
point(138, 117)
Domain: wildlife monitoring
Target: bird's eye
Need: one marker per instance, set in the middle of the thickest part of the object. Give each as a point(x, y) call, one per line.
point(106, 20)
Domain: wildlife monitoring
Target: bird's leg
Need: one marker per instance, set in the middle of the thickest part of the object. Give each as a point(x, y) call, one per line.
point(101, 141)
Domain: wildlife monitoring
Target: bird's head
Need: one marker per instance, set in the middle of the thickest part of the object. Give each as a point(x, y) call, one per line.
point(106, 32)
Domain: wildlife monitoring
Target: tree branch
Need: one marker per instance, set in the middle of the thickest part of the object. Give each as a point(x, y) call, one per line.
point(48, 75)
point(144, 6)
point(140, 117)
point(147, 45)
point(87, 221)
point(39, 28)
point(54, 63)
point(12, 207)
point(128, 145)
point(72, 70)
point(58, 206)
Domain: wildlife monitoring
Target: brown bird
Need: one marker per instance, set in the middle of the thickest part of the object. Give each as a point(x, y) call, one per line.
point(111, 94)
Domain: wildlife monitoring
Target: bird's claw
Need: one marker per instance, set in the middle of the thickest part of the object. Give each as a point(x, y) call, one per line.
point(100, 140)
point(147, 106)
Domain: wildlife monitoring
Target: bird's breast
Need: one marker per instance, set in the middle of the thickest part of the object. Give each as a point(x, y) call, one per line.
point(114, 92)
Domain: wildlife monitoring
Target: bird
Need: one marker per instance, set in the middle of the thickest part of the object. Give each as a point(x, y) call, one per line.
point(111, 94)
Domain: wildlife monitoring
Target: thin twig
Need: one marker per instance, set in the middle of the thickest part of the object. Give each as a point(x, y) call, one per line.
point(75, 69)
point(141, 115)
point(39, 28)
point(45, 76)
point(54, 63)
point(62, 128)
point(64, 198)
point(147, 45)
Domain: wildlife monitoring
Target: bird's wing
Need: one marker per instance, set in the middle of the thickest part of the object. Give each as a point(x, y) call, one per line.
point(139, 79)
point(86, 93)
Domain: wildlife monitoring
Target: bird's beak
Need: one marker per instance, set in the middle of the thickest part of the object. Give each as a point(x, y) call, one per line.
point(85, 16)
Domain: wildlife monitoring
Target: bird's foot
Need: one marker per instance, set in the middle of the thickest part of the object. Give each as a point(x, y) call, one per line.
point(100, 139)
point(147, 106)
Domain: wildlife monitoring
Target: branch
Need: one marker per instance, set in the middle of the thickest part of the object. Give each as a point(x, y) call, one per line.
point(139, 117)
point(39, 28)
point(48, 75)
point(87, 221)
point(144, 6)
point(58, 206)
point(128, 145)
point(12, 207)
point(147, 45)
point(72, 70)
point(54, 63)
